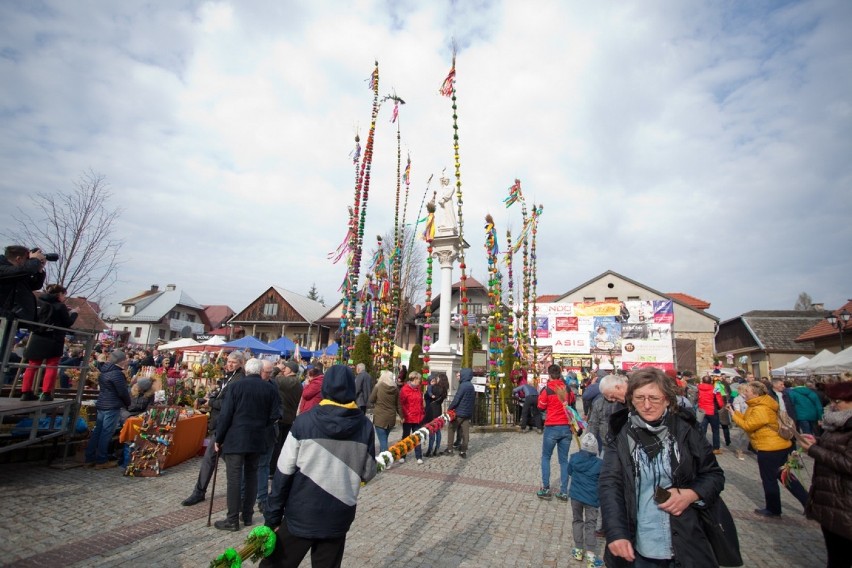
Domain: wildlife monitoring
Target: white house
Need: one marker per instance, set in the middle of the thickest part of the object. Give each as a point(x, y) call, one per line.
point(156, 315)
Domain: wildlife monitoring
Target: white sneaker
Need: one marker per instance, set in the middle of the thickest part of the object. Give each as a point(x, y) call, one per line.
point(419, 462)
point(401, 460)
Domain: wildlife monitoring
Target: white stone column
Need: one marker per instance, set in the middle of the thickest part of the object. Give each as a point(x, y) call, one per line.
point(445, 257)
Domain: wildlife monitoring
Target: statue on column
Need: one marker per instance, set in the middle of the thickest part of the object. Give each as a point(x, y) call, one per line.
point(446, 217)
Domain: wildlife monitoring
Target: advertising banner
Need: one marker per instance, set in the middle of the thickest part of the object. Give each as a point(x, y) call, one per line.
point(635, 333)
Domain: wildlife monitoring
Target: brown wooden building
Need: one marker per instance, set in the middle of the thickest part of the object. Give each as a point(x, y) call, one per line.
point(278, 312)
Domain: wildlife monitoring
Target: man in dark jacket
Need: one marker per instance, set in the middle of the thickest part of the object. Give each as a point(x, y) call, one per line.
point(233, 373)
point(250, 410)
point(290, 391)
point(21, 273)
point(463, 404)
point(113, 396)
point(330, 451)
point(785, 403)
point(363, 386)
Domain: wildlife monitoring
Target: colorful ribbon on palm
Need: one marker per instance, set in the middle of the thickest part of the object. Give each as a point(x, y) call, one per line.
point(405, 446)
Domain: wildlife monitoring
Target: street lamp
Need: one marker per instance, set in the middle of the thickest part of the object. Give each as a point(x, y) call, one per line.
point(839, 321)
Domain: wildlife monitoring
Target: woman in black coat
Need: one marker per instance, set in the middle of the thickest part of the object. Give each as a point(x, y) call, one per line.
point(46, 346)
point(656, 466)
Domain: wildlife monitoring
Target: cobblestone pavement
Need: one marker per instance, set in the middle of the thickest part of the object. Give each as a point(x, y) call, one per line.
point(476, 512)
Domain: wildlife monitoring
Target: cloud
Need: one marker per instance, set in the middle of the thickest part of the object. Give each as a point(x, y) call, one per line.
point(693, 146)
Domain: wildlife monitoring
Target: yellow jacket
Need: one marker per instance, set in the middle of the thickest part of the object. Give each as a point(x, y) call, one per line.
point(760, 422)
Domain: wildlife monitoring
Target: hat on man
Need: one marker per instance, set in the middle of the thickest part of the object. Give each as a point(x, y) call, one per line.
point(339, 384)
point(293, 366)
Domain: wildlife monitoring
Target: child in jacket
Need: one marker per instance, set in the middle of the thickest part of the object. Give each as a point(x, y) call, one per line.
point(584, 467)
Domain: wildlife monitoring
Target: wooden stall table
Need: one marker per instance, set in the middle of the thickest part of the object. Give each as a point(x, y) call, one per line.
point(189, 434)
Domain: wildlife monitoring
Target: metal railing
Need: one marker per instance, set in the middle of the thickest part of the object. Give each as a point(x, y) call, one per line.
point(13, 410)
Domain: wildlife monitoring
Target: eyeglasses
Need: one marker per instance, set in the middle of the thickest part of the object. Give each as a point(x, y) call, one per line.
point(651, 399)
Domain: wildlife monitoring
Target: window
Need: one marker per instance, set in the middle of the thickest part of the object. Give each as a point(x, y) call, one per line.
point(162, 334)
point(473, 309)
point(127, 309)
point(611, 298)
point(173, 335)
point(589, 299)
point(270, 309)
point(632, 298)
point(137, 332)
point(126, 328)
point(190, 318)
point(174, 314)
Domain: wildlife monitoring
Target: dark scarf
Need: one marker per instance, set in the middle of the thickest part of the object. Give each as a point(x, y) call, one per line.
point(651, 438)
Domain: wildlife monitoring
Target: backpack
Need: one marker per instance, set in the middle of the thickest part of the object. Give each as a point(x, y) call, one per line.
point(786, 426)
point(44, 315)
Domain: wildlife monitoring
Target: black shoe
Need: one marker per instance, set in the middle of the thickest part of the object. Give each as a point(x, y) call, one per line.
point(766, 513)
point(463, 454)
point(193, 499)
point(46, 397)
point(248, 520)
point(226, 525)
point(28, 396)
point(448, 452)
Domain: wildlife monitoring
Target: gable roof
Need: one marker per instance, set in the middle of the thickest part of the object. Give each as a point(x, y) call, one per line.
point(640, 285)
point(823, 329)
point(218, 315)
point(777, 330)
point(87, 316)
point(547, 298)
point(153, 305)
point(309, 309)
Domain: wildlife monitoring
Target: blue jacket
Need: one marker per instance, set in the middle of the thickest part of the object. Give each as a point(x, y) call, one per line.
point(465, 397)
point(584, 468)
point(330, 450)
point(113, 393)
point(527, 389)
point(806, 401)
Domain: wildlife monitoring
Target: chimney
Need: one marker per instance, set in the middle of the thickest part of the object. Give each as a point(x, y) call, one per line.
point(818, 307)
point(154, 288)
point(170, 287)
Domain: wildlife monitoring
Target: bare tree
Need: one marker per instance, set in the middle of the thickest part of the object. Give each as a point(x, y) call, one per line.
point(413, 271)
point(79, 226)
point(804, 303)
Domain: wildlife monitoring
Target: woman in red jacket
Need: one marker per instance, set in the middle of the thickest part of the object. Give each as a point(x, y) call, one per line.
point(710, 402)
point(557, 432)
point(413, 409)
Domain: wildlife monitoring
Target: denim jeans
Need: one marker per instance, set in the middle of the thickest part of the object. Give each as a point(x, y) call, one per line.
point(383, 433)
point(407, 429)
point(105, 425)
point(434, 440)
point(711, 420)
point(558, 437)
point(263, 475)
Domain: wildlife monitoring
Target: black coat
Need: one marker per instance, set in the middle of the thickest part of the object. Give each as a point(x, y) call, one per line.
point(17, 284)
point(249, 414)
point(697, 470)
point(50, 342)
point(217, 397)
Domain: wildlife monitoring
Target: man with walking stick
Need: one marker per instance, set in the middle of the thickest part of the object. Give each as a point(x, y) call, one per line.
point(233, 373)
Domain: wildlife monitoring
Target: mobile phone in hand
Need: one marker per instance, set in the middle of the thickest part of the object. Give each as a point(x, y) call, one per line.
point(661, 495)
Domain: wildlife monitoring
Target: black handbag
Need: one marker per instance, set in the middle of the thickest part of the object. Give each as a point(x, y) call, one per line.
point(721, 533)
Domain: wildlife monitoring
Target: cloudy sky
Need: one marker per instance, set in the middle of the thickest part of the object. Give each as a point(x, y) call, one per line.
point(697, 147)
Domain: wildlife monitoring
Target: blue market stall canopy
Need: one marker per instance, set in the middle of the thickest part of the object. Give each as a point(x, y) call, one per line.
point(285, 347)
point(250, 342)
point(331, 350)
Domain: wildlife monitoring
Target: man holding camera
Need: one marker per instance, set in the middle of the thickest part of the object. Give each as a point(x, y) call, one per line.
point(21, 273)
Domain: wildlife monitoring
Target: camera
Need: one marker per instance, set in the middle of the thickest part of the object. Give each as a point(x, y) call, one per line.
point(48, 256)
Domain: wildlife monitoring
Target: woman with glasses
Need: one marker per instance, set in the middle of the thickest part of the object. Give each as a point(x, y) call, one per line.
point(830, 498)
point(656, 465)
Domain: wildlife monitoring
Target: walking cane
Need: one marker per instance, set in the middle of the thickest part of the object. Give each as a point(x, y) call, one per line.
point(213, 489)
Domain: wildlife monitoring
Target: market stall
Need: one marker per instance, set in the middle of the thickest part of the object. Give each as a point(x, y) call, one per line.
point(171, 439)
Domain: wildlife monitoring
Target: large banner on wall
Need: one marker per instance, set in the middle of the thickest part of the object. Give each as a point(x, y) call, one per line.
point(634, 333)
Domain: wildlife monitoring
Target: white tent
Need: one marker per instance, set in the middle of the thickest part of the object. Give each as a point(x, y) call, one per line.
point(181, 343)
point(214, 340)
point(819, 359)
point(839, 363)
point(793, 368)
